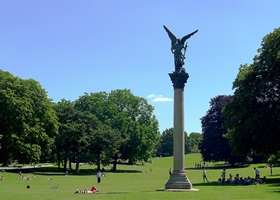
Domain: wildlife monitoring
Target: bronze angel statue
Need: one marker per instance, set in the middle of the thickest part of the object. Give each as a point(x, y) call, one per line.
point(178, 48)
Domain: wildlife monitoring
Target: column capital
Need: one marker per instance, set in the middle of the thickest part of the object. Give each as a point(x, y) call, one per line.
point(179, 79)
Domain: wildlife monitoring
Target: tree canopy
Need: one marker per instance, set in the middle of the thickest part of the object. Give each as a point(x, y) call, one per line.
point(130, 119)
point(28, 122)
point(165, 146)
point(214, 146)
point(253, 117)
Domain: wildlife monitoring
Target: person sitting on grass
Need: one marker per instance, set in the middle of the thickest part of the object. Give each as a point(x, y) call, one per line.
point(236, 179)
point(260, 180)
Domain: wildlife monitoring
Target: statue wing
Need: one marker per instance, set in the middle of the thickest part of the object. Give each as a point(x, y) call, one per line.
point(188, 36)
point(171, 36)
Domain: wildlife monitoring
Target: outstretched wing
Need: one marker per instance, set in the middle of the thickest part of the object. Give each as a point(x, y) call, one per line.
point(171, 36)
point(188, 36)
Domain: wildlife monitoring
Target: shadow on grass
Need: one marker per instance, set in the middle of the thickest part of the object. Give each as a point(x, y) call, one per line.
point(220, 166)
point(146, 191)
point(273, 182)
point(60, 172)
point(217, 184)
point(275, 175)
point(114, 193)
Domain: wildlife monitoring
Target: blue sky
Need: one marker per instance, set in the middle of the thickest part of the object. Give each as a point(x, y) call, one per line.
point(72, 47)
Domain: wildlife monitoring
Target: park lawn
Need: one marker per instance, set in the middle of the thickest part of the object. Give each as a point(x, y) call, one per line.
point(141, 182)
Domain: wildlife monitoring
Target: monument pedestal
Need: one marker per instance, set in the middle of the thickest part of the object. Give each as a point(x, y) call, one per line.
point(178, 179)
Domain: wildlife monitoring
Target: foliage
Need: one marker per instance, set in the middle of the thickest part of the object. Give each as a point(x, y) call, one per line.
point(77, 133)
point(166, 143)
point(133, 126)
point(214, 145)
point(28, 122)
point(253, 117)
point(134, 118)
point(194, 141)
point(103, 146)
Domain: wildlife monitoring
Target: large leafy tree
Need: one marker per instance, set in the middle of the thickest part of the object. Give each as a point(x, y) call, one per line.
point(28, 122)
point(214, 145)
point(133, 116)
point(77, 131)
point(253, 117)
point(106, 142)
point(130, 119)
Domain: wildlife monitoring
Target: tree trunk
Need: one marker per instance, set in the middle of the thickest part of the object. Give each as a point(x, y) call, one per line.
point(5, 163)
point(98, 162)
point(115, 163)
point(70, 164)
point(78, 163)
point(58, 158)
point(65, 164)
point(58, 164)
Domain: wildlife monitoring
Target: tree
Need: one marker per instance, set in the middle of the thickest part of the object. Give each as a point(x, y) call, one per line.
point(134, 119)
point(130, 119)
point(106, 141)
point(28, 122)
point(194, 141)
point(253, 117)
point(77, 131)
point(103, 146)
point(166, 143)
point(214, 145)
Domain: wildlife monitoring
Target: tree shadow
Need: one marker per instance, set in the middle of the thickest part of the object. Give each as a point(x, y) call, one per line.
point(273, 181)
point(217, 184)
point(219, 166)
point(60, 172)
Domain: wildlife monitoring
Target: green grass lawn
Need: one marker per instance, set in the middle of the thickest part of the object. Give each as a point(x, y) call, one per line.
point(129, 183)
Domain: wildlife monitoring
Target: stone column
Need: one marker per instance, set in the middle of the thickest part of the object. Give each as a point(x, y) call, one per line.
point(178, 178)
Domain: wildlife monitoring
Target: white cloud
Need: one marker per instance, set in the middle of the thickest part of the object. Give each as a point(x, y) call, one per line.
point(159, 98)
point(162, 99)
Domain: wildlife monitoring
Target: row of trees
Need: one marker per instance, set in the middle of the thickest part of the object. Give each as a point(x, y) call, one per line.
point(104, 127)
point(247, 124)
point(97, 127)
point(165, 145)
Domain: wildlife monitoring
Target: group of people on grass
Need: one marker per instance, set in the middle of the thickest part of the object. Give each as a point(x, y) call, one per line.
point(240, 180)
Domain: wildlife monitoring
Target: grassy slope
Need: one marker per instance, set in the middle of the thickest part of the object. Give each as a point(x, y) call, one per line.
point(130, 184)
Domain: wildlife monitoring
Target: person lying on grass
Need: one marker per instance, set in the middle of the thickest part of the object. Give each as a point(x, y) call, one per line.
point(93, 190)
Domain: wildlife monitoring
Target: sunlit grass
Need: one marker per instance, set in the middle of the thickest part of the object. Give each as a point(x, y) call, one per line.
point(141, 182)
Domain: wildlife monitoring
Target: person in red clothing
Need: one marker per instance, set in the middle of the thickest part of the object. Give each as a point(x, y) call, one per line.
point(94, 189)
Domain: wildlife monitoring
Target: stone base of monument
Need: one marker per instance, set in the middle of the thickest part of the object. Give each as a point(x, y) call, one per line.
point(178, 182)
